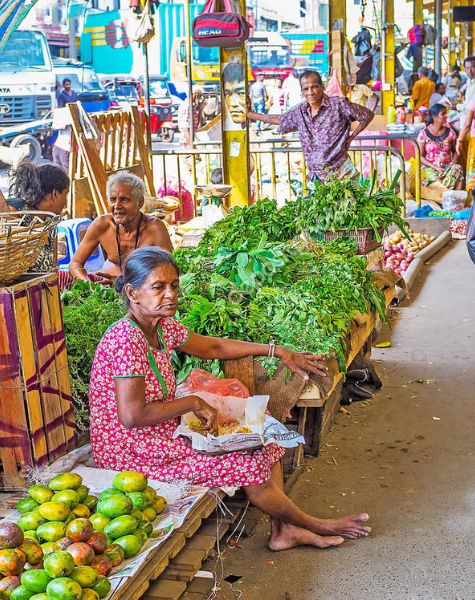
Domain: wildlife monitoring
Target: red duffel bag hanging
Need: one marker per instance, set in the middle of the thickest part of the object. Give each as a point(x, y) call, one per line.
point(226, 29)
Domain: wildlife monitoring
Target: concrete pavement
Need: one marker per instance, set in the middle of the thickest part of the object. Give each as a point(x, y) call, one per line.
point(407, 457)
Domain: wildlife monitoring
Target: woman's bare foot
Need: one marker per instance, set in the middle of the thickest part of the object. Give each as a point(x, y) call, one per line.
point(288, 536)
point(348, 527)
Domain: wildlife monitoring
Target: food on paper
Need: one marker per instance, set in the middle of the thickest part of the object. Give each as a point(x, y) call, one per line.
point(223, 429)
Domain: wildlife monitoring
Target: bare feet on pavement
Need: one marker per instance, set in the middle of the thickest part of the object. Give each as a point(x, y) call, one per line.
point(350, 527)
point(288, 536)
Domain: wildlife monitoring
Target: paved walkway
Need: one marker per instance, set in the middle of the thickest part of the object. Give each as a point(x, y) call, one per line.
point(407, 457)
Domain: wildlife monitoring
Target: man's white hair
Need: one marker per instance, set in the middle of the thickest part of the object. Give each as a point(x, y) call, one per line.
point(134, 182)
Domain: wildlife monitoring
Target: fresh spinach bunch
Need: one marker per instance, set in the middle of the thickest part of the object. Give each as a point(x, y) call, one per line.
point(251, 267)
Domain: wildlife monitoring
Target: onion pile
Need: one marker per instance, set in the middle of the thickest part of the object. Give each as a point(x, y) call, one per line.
point(400, 252)
point(458, 229)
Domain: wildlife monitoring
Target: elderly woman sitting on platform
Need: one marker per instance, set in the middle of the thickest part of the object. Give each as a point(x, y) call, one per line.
point(134, 412)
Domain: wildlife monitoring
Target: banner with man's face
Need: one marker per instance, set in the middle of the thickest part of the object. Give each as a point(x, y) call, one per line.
point(234, 73)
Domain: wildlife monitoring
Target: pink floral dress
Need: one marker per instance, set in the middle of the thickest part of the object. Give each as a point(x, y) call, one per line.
point(125, 352)
point(439, 150)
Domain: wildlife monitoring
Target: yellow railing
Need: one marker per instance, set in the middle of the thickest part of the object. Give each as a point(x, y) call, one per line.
point(277, 166)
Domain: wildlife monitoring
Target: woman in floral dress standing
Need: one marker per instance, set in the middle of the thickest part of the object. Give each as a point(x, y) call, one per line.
point(134, 411)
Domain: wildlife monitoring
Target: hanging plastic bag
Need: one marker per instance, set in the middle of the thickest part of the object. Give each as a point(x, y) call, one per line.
point(199, 379)
point(454, 200)
point(333, 85)
point(140, 27)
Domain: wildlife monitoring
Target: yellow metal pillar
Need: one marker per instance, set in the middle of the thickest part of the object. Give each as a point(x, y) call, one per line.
point(234, 94)
point(387, 55)
point(338, 37)
point(453, 28)
point(417, 11)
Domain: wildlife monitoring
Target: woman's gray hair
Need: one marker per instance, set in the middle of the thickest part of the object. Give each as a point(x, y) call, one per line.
point(136, 184)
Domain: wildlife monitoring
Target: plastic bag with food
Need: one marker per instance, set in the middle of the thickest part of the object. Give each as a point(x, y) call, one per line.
point(229, 396)
point(242, 420)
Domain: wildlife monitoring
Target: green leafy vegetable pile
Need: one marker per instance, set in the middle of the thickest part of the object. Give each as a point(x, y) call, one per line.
point(88, 311)
point(254, 277)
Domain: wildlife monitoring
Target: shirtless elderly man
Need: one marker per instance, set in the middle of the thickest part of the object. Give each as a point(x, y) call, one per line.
point(120, 232)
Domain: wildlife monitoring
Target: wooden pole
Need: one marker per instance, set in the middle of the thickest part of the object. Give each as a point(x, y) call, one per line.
point(438, 39)
point(189, 70)
point(417, 7)
point(453, 42)
point(338, 38)
point(148, 130)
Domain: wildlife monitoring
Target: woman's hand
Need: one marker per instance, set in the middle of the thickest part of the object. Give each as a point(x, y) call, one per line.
point(458, 147)
point(207, 414)
point(106, 279)
point(302, 363)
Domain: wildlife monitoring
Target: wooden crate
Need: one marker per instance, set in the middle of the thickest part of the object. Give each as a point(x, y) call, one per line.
point(36, 413)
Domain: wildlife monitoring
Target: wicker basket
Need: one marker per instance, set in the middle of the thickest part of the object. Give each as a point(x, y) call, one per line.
point(23, 235)
point(365, 238)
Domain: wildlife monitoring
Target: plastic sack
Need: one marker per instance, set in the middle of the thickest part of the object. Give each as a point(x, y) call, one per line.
point(272, 432)
point(231, 398)
point(454, 200)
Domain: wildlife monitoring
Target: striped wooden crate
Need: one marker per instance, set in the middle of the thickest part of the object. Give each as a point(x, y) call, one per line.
point(36, 413)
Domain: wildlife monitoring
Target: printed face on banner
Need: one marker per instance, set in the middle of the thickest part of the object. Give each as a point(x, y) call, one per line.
point(235, 96)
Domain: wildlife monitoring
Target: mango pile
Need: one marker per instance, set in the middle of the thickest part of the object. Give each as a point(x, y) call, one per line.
point(67, 541)
point(125, 511)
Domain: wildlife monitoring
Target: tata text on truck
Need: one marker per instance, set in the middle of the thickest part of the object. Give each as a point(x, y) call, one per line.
point(27, 89)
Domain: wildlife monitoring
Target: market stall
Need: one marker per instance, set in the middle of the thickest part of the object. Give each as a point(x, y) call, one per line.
point(297, 275)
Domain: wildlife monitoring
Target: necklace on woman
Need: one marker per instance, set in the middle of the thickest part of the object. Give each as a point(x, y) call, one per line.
point(137, 235)
point(438, 137)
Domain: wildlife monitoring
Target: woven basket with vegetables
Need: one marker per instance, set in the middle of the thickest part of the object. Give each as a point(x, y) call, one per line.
point(340, 208)
point(365, 238)
point(23, 236)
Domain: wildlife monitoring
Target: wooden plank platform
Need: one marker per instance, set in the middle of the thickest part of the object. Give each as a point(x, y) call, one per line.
point(179, 579)
point(169, 572)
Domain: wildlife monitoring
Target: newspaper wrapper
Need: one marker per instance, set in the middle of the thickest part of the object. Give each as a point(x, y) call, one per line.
point(181, 499)
point(272, 432)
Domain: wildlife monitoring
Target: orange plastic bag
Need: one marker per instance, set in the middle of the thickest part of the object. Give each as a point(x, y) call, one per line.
point(228, 396)
point(202, 381)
